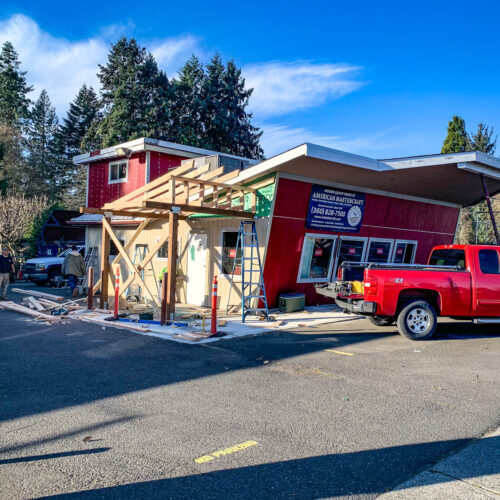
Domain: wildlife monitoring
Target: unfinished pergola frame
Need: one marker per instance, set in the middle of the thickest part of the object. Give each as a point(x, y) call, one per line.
point(182, 192)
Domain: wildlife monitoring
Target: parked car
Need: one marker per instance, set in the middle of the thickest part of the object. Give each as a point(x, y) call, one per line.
point(459, 281)
point(47, 270)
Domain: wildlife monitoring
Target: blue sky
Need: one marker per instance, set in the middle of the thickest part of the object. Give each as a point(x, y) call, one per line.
point(380, 79)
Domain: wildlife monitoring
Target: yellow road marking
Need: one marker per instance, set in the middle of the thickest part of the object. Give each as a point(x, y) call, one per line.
point(340, 352)
point(226, 451)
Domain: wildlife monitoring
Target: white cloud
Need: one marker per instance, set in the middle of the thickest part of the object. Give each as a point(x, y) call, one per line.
point(278, 138)
point(172, 53)
point(61, 66)
point(58, 65)
point(281, 88)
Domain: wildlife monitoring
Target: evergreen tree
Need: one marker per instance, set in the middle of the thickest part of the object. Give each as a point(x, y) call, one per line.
point(84, 113)
point(210, 109)
point(14, 102)
point(45, 157)
point(483, 140)
point(188, 106)
point(243, 137)
point(14, 105)
point(135, 95)
point(456, 140)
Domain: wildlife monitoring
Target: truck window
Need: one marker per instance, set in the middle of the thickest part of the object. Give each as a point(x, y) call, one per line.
point(488, 262)
point(448, 257)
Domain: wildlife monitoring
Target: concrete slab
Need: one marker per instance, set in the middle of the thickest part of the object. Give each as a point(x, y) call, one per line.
point(436, 486)
point(312, 317)
point(478, 464)
point(472, 473)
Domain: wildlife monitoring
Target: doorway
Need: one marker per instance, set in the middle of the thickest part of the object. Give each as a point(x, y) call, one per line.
point(197, 270)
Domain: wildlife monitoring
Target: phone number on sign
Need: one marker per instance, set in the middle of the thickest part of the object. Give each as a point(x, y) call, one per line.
point(327, 211)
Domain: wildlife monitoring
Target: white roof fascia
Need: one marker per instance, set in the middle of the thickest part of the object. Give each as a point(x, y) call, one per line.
point(314, 151)
point(337, 156)
point(135, 145)
point(147, 144)
point(478, 168)
point(195, 151)
point(269, 165)
point(477, 157)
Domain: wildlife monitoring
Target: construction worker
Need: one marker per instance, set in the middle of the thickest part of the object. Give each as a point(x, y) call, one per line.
point(74, 268)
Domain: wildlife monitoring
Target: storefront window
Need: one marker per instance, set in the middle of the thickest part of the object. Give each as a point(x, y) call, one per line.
point(316, 259)
point(229, 252)
point(351, 250)
point(404, 252)
point(379, 250)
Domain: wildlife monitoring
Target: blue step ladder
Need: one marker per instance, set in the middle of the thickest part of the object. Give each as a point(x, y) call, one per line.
point(252, 278)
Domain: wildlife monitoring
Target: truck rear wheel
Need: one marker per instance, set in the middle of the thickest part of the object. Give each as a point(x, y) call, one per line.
point(381, 320)
point(417, 321)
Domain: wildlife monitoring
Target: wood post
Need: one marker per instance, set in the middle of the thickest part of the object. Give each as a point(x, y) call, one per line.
point(173, 222)
point(105, 248)
point(90, 288)
point(164, 285)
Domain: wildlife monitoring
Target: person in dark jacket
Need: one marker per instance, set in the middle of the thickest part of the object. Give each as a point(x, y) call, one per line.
point(73, 267)
point(6, 267)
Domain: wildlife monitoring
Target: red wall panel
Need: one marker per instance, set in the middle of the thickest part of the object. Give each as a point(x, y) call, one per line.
point(101, 192)
point(384, 217)
point(161, 163)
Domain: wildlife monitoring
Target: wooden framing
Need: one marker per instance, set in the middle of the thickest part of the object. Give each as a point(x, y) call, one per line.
point(183, 191)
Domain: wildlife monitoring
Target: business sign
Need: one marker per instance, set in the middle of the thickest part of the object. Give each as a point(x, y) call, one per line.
point(334, 210)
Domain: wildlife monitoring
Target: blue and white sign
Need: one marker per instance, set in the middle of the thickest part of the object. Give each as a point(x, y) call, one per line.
point(334, 210)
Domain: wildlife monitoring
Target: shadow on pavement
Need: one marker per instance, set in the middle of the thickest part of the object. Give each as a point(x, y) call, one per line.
point(326, 476)
point(48, 456)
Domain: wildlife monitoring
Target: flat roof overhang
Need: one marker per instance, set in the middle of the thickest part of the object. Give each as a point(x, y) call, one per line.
point(451, 179)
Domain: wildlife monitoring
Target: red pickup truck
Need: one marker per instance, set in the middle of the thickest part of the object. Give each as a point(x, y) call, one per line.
point(459, 281)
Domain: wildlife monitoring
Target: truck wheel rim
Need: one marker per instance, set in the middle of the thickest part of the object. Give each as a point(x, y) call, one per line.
point(418, 320)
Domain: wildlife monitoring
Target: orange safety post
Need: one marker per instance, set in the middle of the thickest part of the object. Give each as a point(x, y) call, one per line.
point(213, 326)
point(117, 291)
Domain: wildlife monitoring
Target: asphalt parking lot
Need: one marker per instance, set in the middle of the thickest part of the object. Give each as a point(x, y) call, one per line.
point(344, 410)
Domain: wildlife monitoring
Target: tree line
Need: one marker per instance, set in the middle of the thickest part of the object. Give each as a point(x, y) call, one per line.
point(204, 106)
point(474, 223)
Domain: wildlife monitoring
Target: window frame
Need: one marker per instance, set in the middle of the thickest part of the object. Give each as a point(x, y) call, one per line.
point(221, 239)
point(413, 242)
point(353, 238)
point(380, 240)
point(334, 238)
point(117, 162)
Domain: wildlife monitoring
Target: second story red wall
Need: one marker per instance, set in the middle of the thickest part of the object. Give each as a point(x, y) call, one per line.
point(101, 191)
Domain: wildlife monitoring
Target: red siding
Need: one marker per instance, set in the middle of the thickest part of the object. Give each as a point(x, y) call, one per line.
point(101, 192)
point(384, 217)
point(161, 163)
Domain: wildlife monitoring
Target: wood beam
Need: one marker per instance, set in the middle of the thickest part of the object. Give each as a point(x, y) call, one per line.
point(157, 182)
point(105, 247)
point(200, 209)
point(117, 259)
point(172, 263)
point(144, 262)
point(126, 258)
point(137, 212)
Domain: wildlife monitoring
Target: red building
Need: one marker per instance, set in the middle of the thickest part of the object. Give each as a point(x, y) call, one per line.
point(316, 207)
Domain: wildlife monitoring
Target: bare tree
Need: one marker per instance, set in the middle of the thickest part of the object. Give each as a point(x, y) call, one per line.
point(17, 218)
